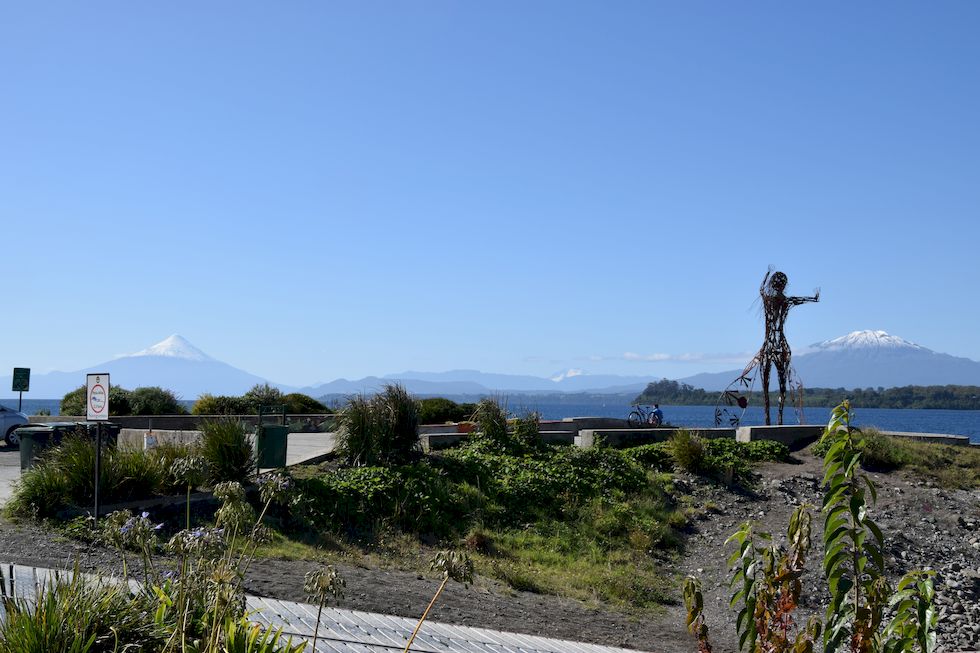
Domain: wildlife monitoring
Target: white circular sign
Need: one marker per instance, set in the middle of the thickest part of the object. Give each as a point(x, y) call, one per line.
point(97, 399)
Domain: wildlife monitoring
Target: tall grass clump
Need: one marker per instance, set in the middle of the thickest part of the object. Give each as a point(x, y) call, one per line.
point(64, 476)
point(75, 615)
point(226, 447)
point(491, 421)
point(380, 430)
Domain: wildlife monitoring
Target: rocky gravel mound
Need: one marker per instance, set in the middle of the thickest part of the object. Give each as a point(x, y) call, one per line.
point(925, 527)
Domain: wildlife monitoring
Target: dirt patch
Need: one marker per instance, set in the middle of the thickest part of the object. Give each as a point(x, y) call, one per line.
point(924, 526)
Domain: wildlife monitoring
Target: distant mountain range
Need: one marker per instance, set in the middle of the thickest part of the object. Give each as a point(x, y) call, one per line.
point(858, 360)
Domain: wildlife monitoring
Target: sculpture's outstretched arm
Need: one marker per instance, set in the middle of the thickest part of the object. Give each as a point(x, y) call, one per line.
point(796, 301)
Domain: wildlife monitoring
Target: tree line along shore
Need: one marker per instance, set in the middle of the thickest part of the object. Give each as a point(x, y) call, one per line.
point(954, 397)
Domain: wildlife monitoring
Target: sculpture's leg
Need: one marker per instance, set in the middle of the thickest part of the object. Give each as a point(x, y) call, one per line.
point(765, 386)
point(781, 368)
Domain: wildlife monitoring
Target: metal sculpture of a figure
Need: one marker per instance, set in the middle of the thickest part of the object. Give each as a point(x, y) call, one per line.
point(775, 351)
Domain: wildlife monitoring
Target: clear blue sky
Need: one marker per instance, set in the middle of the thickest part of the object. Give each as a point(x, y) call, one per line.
point(309, 190)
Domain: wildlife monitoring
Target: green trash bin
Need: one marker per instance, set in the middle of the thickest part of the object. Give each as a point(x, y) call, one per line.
point(33, 440)
point(270, 445)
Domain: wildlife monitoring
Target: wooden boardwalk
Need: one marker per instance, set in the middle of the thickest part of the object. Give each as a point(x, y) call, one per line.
point(348, 631)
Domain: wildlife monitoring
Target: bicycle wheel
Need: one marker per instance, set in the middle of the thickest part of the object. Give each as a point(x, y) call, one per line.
point(635, 419)
point(653, 421)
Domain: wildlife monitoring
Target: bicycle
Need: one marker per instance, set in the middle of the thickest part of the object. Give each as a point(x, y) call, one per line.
point(640, 417)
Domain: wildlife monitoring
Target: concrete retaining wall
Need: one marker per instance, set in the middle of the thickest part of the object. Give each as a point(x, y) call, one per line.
point(144, 439)
point(620, 438)
point(794, 436)
point(936, 438)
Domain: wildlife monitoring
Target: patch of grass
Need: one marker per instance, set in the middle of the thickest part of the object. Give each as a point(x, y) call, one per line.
point(947, 465)
point(546, 562)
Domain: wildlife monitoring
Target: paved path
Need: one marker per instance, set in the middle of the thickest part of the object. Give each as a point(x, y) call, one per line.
point(350, 631)
point(9, 472)
point(301, 447)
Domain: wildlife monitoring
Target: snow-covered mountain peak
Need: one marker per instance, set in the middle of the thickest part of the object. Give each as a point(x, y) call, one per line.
point(174, 347)
point(866, 340)
point(566, 374)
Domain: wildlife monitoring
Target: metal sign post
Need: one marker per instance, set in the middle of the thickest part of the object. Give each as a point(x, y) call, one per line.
point(97, 410)
point(21, 384)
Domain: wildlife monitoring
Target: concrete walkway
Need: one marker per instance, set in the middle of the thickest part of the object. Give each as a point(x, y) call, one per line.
point(9, 472)
point(350, 631)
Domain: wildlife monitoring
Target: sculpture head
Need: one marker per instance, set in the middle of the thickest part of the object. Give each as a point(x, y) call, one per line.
point(777, 282)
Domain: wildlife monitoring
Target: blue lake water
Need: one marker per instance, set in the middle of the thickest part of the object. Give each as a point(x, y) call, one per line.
point(956, 422)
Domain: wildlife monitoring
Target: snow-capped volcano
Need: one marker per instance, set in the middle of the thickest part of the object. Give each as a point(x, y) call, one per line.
point(173, 363)
point(866, 339)
point(175, 346)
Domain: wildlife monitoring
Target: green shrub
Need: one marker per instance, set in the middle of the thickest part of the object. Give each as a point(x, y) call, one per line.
point(226, 447)
point(688, 450)
point(73, 403)
point(438, 410)
point(208, 404)
point(153, 400)
point(263, 395)
point(299, 404)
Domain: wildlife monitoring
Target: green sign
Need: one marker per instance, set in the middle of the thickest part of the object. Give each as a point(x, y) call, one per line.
point(22, 379)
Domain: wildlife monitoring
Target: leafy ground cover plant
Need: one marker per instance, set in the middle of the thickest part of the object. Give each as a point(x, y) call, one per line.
point(768, 579)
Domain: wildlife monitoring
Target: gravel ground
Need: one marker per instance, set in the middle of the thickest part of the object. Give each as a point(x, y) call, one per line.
point(924, 526)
